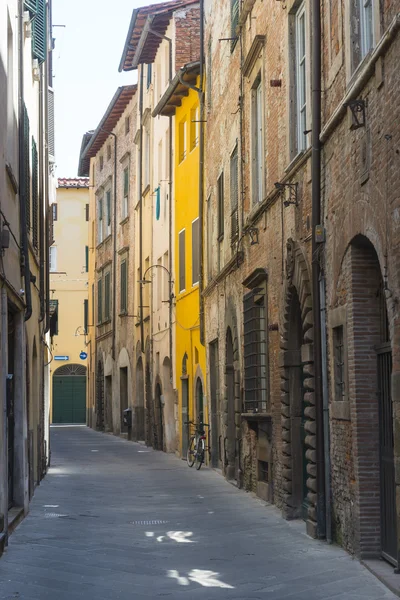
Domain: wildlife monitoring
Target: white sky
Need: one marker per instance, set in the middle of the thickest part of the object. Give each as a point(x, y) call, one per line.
point(86, 59)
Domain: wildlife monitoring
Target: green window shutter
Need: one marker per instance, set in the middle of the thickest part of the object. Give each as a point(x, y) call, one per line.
point(85, 315)
point(35, 203)
point(108, 208)
point(123, 287)
point(126, 181)
point(27, 176)
point(182, 261)
point(86, 258)
point(99, 301)
point(53, 310)
point(234, 21)
point(31, 5)
point(107, 307)
point(39, 32)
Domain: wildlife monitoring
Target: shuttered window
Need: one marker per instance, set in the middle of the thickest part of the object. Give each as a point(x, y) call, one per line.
point(50, 130)
point(182, 261)
point(125, 202)
point(234, 195)
point(35, 197)
point(255, 351)
point(87, 212)
point(107, 296)
point(99, 301)
point(220, 186)
point(27, 175)
point(195, 252)
point(85, 315)
point(53, 310)
point(124, 290)
point(99, 220)
point(234, 22)
point(86, 258)
point(31, 5)
point(108, 208)
point(53, 259)
point(39, 32)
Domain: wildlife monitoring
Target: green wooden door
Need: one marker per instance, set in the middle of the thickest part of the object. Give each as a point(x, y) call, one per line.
point(69, 399)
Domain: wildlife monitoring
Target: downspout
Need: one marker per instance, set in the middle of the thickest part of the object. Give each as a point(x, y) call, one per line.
point(21, 171)
point(140, 184)
point(48, 80)
point(316, 269)
point(41, 199)
point(325, 402)
point(201, 176)
point(241, 119)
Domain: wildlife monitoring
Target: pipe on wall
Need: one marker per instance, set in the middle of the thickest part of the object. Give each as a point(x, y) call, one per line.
point(42, 87)
point(201, 177)
point(140, 199)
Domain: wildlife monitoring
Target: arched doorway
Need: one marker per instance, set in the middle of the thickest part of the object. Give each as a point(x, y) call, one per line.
point(69, 394)
point(199, 400)
point(159, 428)
point(230, 439)
point(100, 396)
point(370, 352)
point(139, 431)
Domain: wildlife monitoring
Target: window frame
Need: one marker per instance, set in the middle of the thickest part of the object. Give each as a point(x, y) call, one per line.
point(123, 304)
point(234, 192)
point(125, 196)
point(182, 261)
point(195, 255)
point(53, 259)
point(300, 60)
point(221, 207)
point(100, 219)
point(99, 301)
point(107, 296)
point(257, 141)
point(108, 224)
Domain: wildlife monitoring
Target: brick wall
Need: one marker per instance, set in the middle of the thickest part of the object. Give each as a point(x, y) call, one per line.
point(187, 32)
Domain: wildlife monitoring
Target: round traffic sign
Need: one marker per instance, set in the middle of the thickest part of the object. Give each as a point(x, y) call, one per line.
point(83, 355)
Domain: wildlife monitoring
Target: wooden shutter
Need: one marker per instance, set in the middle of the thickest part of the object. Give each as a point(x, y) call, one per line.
point(31, 5)
point(123, 287)
point(234, 188)
point(35, 197)
point(86, 258)
point(27, 176)
point(195, 252)
point(221, 206)
point(126, 181)
point(99, 301)
point(50, 129)
point(87, 212)
point(108, 197)
point(107, 308)
point(85, 315)
point(234, 21)
point(39, 32)
point(182, 261)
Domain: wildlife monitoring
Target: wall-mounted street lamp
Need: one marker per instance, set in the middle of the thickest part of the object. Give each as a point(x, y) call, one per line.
point(252, 232)
point(293, 193)
point(357, 107)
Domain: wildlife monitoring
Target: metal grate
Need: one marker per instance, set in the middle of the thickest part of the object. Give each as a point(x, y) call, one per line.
point(155, 522)
point(255, 351)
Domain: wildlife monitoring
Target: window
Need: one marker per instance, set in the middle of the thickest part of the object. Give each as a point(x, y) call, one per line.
point(149, 74)
point(107, 296)
point(195, 252)
point(124, 288)
point(234, 22)
point(146, 157)
point(108, 213)
point(220, 191)
point(85, 315)
point(35, 197)
point(53, 311)
point(182, 261)
point(255, 350)
point(127, 125)
point(54, 210)
point(100, 230)
point(339, 363)
point(101, 162)
point(257, 142)
point(99, 301)
point(362, 30)
point(194, 127)
point(39, 32)
point(86, 259)
point(234, 195)
point(182, 141)
point(210, 239)
point(367, 32)
point(301, 78)
point(166, 291)
point(125, 201)
point(53, 259)
point(109, 152)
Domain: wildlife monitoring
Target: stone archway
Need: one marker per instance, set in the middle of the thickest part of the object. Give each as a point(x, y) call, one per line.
point(299, 469)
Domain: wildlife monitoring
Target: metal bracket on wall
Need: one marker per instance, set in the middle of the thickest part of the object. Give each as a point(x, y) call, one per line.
point(357, 108)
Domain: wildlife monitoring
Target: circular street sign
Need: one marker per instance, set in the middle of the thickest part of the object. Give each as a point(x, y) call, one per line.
point(83, 355)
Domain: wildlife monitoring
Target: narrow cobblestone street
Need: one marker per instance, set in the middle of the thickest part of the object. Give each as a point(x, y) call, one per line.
point(115, 520)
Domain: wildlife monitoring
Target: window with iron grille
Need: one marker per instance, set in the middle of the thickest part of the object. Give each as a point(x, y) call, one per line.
point(124, 288)
point(234, 177)
point(255, 351)
point(339, 363)
point(35, 197)
point(107, 296)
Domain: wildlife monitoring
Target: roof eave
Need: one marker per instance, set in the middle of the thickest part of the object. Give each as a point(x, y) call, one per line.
point(142, 41)
point(128, 40)
point(163, 103)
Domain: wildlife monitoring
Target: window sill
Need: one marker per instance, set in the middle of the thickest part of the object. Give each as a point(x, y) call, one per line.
point(298, 160)
point(124, 220)
point(123, 314)
point(146, 190)
point(106, 322)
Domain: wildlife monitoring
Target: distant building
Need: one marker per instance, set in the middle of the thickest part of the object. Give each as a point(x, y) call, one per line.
point(69, 264)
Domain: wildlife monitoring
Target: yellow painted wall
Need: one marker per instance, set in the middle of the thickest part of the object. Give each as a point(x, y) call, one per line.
point(187, 321)
point(69, 284)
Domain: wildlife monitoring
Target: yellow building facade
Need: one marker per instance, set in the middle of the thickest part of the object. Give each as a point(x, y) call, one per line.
point(69, 301)
point(190, 355)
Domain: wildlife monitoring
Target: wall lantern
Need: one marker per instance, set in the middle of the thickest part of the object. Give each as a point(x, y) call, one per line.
point(357, 108)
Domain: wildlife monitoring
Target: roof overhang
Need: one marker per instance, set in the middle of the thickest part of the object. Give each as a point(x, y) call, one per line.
point(177, 90)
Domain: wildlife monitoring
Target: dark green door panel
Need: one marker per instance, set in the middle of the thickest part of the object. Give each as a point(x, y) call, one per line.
point(69, 399)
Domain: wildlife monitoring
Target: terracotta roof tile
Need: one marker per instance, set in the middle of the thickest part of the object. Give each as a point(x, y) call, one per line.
point(73, 182)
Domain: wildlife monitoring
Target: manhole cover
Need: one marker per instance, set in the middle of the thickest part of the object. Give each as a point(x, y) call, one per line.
point(149, 522)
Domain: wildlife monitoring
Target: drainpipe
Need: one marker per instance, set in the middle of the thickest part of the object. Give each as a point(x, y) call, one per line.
point(21, 171)
point(41, 198)
point(140, 184)
point(325, 401)
point(114, 242)
point(201, 175)
point(316, 269)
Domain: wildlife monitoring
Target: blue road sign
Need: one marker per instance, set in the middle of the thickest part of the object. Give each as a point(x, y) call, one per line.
point(83, 355)
point(61, 358)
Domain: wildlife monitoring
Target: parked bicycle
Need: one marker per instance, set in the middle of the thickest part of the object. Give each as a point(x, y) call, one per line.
point(197, 444)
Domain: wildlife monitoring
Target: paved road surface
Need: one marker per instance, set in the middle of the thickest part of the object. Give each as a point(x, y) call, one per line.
point(114, 520)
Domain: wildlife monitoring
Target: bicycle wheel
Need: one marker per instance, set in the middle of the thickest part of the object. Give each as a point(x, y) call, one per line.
point(200, 454)
point(191, 452)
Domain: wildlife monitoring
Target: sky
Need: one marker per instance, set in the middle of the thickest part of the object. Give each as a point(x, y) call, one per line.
point(86, 60)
